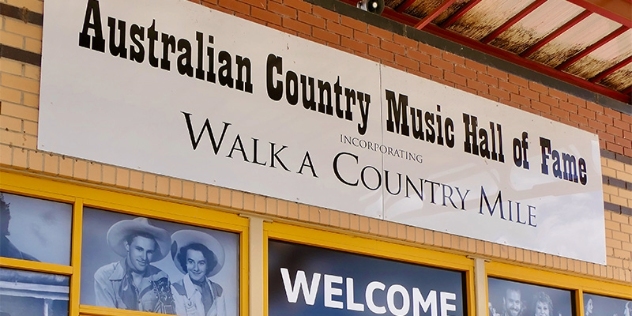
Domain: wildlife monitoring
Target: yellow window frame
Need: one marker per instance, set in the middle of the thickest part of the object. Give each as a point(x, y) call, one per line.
point(81, 195)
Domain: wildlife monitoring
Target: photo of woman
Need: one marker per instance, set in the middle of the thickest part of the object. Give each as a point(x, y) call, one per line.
point(198, 256)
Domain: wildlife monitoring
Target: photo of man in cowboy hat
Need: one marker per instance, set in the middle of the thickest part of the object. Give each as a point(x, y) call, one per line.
point(133, 283)
point(198, 256)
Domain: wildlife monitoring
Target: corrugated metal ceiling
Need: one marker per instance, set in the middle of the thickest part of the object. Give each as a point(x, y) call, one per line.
point(584, 42)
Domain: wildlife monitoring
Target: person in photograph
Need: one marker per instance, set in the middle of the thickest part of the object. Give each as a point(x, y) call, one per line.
point(198, 256)
point(542, 304)
point(133, 283)
point(7, 248)
point(589, 306)
point(627, 311)
point(512, 304)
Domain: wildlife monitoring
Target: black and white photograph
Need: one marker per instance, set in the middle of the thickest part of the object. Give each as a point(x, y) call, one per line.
point(138, 263)
point(597, 305)
point(509, 298)
point(35, 229)
point(25, 293)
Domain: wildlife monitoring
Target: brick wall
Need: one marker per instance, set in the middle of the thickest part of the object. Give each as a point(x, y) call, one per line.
point(19, 88)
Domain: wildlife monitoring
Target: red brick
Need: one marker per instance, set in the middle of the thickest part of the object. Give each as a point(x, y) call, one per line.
point(533, 95)
point(493, 81)
point(326, 36)
point(283, 10)
point(594, 107)
point(311, 19)
point(456, 79)
point(586, 113)
point(354, 45)
point(466, 89)
point(544, 108)
point(612, 113)
point(605, 136)
point(297, 26)
point(478, 67)
point(381, 54)
point(340, 29)
point(406, 42)
point(298, 4)
point(605, 119)
point(578, 119)
point(432, 51)
point(366, 38)
point(617, 132)
point(465, 72)
point(623, 142)
point(622, 125)
point(510, 87)
point(282, 29)
point(432, 71)
point(353, 23)
point(598, 125)
point(519, 81)
point(381, 33)
point(568, 107)
point(560, 113)
point(442, 81)
point(392, 47)
point(480, 87)
point(614, 147)
point(502, 94)
point(235, 6)
point(501, 75)
point(520, 100)
point(326, 13)
point(438, 62)
point(576, 100)
point(627, 152)
point(538, 87)
point(455, 59)
point(558, 94)
point(626, 118)
point(549, 100)
point(407, 62)
point(418, 56)
point(265, 15)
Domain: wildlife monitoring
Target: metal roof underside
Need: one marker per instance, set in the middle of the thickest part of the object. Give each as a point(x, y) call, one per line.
point(587, 43)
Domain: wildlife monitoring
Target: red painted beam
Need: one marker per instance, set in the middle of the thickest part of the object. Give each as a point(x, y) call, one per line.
point(458, 14)
point(440, 9)
point(592, 48)
point(610, 70)
point(617, 11)
point(628, 91)
point(513, 20)
point(555, 33)
point(507, 56)
point(543, 69)
point(404, 5)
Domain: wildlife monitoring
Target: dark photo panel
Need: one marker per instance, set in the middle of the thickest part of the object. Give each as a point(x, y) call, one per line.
point(25, 293)
point(597, 305)
point(312, 281)
point(509, 298)
point(35, 229)
point(138, 263)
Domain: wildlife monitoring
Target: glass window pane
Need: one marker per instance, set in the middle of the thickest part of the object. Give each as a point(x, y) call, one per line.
point(597, 305)
point(313, 281)
point(508, 298)
point(136, 263)
point(35, 229)
point(34, 294)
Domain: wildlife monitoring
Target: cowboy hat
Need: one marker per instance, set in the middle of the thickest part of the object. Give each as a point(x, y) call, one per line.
point(118, 233)
point(183, 238)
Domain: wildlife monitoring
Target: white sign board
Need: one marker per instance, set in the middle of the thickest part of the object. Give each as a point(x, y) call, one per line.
point(170, 87)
